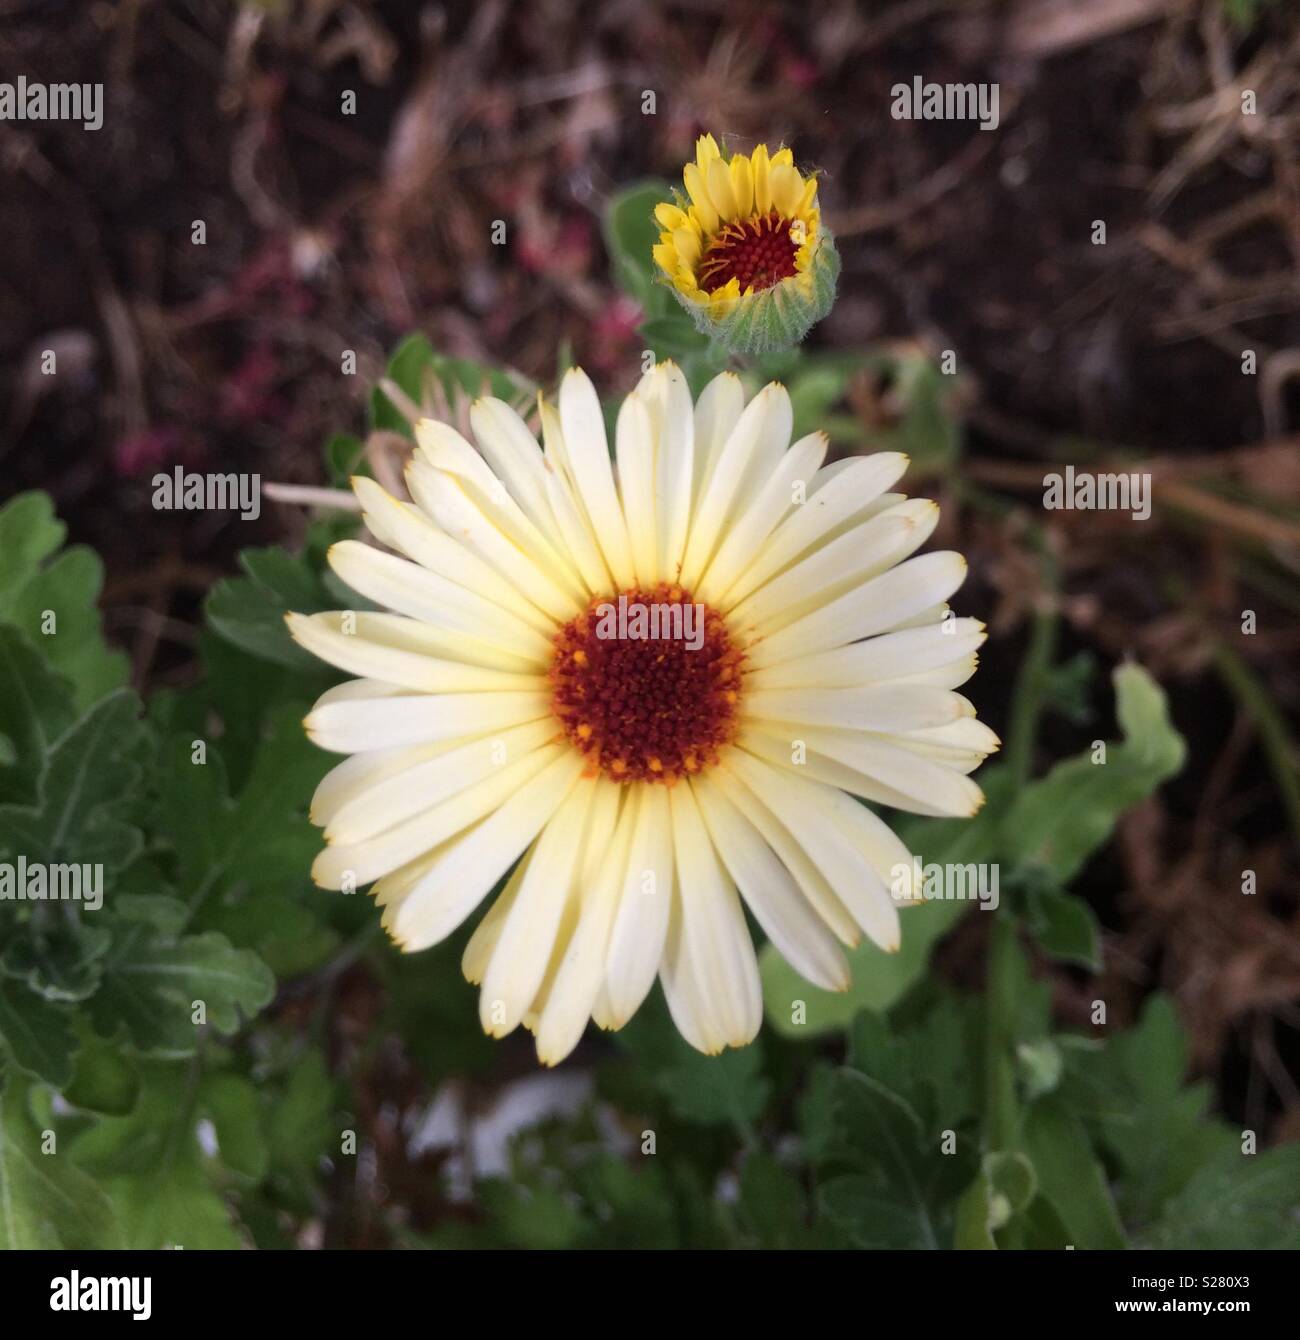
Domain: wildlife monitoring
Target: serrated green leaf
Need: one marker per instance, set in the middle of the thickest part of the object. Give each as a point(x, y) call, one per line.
point(35, 709)
point(1235, 1202)
point(249, 611)
point(90, 773)
point(151, 1165)
point(242, 864)
point(37, 1035)
point(46, 1201)
point(151, 984)
point(708, 1089)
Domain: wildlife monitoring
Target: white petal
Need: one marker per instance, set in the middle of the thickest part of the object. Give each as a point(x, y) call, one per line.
point(716, 413)
point(573, 528)
point(774, 499)
point(635, 448)
point(668, 397)
point(442, 447)
point(771, 893)
point(805, 806)
point(588, 452)
point(369, 859)
point(404, 527)
point(837, 496)
point(765, 420)
point(713, 924)
point(409, 589)
point(516, 459)
point(523, 950)
point(581, 973)
point(874, 607)
point(442, 498)
point(874, 707)
point(436, 773)
point(859, 554)
point(689, 1000)
point(637, 940)
point(470, 866)
point(869, 766)
point(362, 653)
point(360, 772)
point(812, 883)
point(380, 723)
point(889, 656)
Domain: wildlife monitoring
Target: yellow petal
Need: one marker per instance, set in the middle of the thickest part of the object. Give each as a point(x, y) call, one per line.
point(666, 257)
point(687, 244)
point(787, 186)
point(742, 186)
point(669, 216)
point(807, 198)
point(719, 180)
point(760, 167)
point(706, 150)
point(699, 193)
point(781, 156)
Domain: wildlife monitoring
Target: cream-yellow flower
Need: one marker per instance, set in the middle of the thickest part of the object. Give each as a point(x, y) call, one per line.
point(639, 786)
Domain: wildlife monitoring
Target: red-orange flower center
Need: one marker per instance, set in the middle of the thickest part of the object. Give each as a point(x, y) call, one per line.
point(758, 252)
point(646, 684)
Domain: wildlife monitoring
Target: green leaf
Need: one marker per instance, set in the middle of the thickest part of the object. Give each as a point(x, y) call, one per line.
point(345, 456)
point(708, 1089)
point(37, 1035)
point(103, 1079)
point(1065, 927)
point(1131, 1090)
point(1239, 1201)
point(151, 1165)
point(672, 336)
point(249, 611)
point(230, 1103)
point(631, 233)
point(1094, 795)
point(772, 1205)
point(90, 773)
point(59, 961)
point(32, 590)
point(152, 982)
point(301, 1126)
point(1006, 1186)
point(29, 534)
point(242, 864)
point(35, 709)
point(46, 1201)
point(1070, 1176)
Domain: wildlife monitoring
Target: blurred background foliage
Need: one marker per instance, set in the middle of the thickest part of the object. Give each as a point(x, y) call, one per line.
point(339, 1094)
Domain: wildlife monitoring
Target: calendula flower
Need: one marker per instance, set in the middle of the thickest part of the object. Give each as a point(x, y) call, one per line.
point(652, 690)
point(746, 251)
